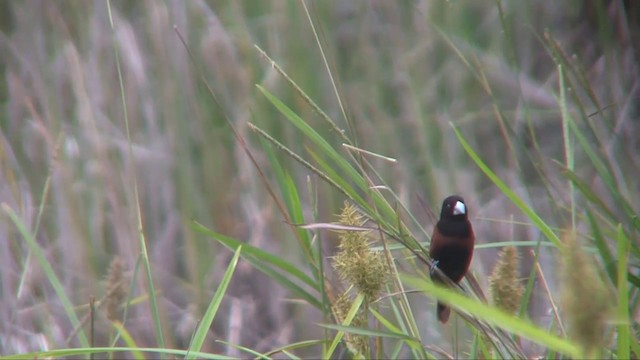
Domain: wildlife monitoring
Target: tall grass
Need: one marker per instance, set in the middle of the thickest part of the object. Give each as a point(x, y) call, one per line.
point(212, 145)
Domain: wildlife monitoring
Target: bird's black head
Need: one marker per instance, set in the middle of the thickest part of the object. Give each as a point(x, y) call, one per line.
point(454, 208)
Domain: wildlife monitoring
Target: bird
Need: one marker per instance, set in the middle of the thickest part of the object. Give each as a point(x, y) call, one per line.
point(451, 247)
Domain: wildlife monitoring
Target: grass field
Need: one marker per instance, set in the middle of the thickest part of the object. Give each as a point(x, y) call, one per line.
point(172, 175)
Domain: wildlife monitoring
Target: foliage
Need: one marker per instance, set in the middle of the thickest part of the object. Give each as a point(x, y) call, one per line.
point(134, 136)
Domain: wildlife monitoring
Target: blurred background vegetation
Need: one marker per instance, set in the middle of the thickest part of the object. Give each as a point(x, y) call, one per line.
point(403, 70)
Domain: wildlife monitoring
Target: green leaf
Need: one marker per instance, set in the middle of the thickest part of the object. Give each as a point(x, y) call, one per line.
point(77, 352)
point(258, 253)
point(413, 342)
point(623, 297)
point(212, 309)
point(348, 318)
point(128, 339)
point(370, 332)
point(495, 317)
point(49, 272)
point(312, 135)
point(265, 262)
point(535, 219)
point(603, 249)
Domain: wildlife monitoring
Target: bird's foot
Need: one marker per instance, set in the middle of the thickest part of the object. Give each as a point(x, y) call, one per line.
point(434, 266)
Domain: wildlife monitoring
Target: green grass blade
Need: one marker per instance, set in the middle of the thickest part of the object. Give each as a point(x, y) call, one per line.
point(291, 198)
point(77, 352)
point(306, 97)
point(412, 341)
point(283, 279)
point(348, 318)
point(603, 249)
point(312, 135)
point(535, 219)
point(340, 182)
point(258, 253)
point(284, 349)
point(265, 262)
point(635, 347)
point(495, 316)
point(386, 211)
point(587, 191)
point(606, 175)
point(295, 346)
point(49, 272)
point(212, 309)
point(567, 143)
point(329, 179)
point(623, 297)
point(350, 173)
point(128, 339)
point(386, 323)
point(370, 332)
point(252, 352)
point(141, 237)
point(531, 282)
point(152, 292)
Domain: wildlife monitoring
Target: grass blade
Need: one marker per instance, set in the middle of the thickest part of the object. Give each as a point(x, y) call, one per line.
point(357, 302)
point(207, 319)
point(141, 237)
point(623, 297)
point(495, 317)
point(266, 262)
point(535, 219)
point(128, 339)
point(258, 253)
point(49, 272)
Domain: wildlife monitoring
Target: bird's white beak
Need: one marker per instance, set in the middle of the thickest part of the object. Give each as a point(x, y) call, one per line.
point(460, 208)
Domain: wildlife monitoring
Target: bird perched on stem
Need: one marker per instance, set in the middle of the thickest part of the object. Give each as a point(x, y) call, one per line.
point(451, 246)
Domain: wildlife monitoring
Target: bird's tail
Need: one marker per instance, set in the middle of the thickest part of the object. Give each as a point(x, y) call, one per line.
point(443, 312)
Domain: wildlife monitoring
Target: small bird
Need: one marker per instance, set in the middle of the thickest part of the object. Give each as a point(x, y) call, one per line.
point(451, 245)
